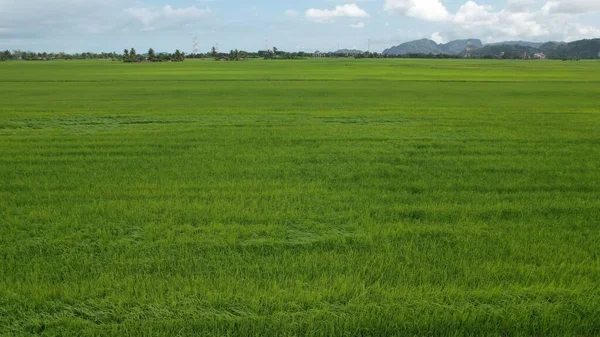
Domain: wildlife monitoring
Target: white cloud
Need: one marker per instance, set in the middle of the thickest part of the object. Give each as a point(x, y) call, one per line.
point(556, 20)
point(429, 10)
point(167, 17)
point(358, 25)
point(520, 5)
point(22, 19)
point(587, 31)
point(571, 6)
point(437, 37)
point(144, 15)
point(484, 21)
point(327, 15)
point(81, 17)
point(471, 15)
point(108, 24)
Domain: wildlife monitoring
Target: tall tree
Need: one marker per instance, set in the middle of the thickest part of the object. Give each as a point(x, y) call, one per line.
point(151, 55)
point(178, 56)
point(213, 52)
point(5, 56)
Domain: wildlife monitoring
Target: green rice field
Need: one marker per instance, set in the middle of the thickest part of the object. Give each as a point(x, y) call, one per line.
point(323, 197)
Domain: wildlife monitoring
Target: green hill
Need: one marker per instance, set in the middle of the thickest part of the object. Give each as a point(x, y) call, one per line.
point(582, 49)
point(585, 49)
point(349, 52)
point(426, 46)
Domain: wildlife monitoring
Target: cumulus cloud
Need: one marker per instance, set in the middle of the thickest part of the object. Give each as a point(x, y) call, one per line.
point(571, 6)
point(471, 14)
point(484, 20)
point(329, 15)
point(437, 37)
point(429, 10)
point(520, 5)
point(19, 19)
point(167, 17)
point(557, 19)
point(72, 24)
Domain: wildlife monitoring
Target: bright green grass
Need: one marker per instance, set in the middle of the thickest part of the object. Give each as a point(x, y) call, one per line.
point(309, 198)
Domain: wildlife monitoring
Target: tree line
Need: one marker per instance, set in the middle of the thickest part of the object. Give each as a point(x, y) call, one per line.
point(240, 55)
point(128, 56)
point(131, 56)
point(45, 56)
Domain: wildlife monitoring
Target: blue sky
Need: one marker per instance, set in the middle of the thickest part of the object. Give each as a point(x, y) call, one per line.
point(111, 25)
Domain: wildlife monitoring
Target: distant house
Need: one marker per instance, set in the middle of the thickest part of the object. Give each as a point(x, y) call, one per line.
point(224, 58)
point(540, 56)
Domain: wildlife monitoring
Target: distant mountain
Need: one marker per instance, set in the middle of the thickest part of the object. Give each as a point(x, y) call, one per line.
point(423, 46)
point(582, 49)
point(517, 43)
point(585, 49)
point(426, 46)
point(457, 47)
point(349, 51)
point(503, 51)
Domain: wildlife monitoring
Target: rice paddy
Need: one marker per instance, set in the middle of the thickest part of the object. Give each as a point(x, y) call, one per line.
point(300, 198)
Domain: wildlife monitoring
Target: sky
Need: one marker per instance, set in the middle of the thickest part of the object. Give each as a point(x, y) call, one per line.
point(291, 25)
